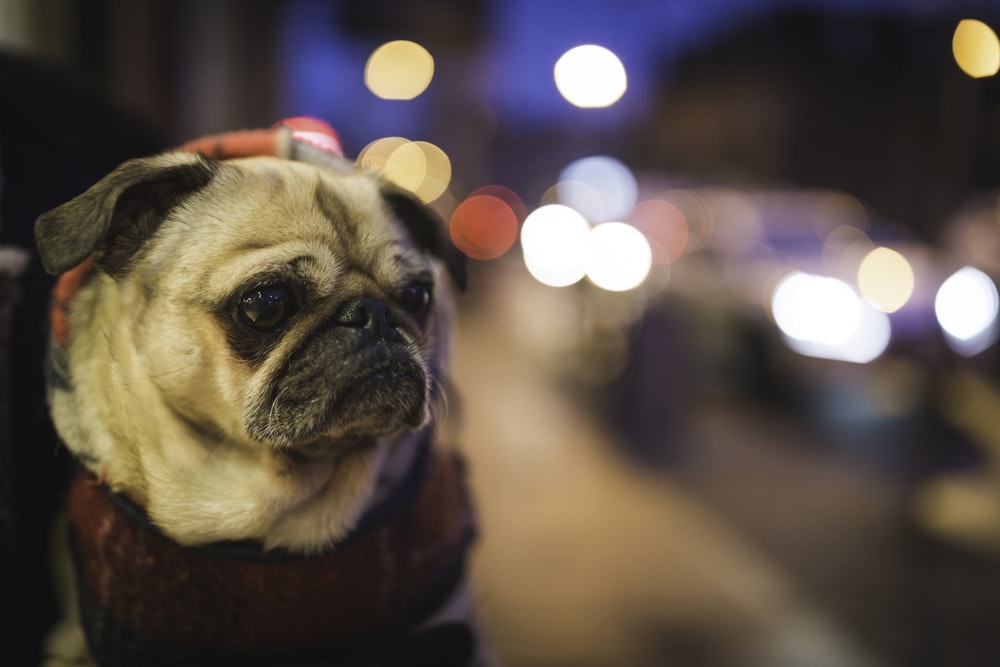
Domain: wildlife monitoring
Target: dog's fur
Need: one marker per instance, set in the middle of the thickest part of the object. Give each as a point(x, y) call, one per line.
point(217, 429)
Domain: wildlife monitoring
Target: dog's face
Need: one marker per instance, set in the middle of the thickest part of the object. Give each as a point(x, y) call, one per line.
point(253, 333)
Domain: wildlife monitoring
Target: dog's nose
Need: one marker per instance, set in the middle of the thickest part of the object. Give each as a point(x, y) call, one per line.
point(368, 314)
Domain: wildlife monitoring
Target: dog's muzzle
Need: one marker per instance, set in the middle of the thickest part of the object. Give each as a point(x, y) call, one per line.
point(359, 375)
point(372, 318)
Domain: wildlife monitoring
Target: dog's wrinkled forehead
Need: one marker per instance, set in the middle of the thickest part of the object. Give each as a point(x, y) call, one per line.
point(231, 207)
point(263, 218)
point(266, 204)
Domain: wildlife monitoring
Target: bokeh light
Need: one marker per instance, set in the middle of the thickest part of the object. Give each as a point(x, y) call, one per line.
point(418, 166)
point(885, 279)
point(815, 308)
point(406, 166)
point(866, 343)
point(834, 210)
point(620, 257)
point(843, 251)
point(399, 70)
point(483, 226)
point(437, 171)
point(506, 195)
point(555, 241)
point(823, 317)
point(697, 215)
point(976, 49)
point(590, 76)
point(376, 155)
point(966, 307)
point(736, 224)
point(664, 226)
point(600, 188)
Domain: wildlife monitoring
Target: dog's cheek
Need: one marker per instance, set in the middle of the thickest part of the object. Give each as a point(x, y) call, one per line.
point(433, 357)
point(438, 339)
point(194, 371)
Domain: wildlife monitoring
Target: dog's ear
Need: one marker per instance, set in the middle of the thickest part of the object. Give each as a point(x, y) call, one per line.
point(119, 213)
point(427, 230)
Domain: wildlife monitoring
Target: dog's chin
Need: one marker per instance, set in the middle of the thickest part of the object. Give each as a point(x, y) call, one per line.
point(373, 404)
point(363, 431)
point(327, 449)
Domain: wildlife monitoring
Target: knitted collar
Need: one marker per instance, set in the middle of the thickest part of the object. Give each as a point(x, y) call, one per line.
point(146, 600)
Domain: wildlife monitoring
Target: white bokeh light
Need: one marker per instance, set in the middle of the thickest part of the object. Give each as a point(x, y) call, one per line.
point(620, 257)
point(555, 241)
point(823, 317)
point(590, 76)
point(966, 307)
point(601, 188)
point(815, 308)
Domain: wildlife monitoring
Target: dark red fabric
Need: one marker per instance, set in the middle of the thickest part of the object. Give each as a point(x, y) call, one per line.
point(230, 145)
point(190, 598)
point(65, 289)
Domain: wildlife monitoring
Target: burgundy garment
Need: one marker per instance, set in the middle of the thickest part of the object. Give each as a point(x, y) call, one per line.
point(138, 587)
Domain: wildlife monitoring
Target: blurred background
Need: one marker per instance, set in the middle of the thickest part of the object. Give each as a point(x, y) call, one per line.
point(726, 372)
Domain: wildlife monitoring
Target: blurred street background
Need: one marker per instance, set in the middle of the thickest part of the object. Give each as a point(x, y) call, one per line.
point(726, 373)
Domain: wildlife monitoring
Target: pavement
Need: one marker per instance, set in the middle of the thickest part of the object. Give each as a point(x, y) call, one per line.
point(587, 557)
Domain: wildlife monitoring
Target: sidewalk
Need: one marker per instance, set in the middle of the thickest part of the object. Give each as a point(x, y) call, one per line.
point(586, 560)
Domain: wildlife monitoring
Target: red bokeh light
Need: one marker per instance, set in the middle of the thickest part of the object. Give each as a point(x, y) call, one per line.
point(484, 226)
point(664, 226)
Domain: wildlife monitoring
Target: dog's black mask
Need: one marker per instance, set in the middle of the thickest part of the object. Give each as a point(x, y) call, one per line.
point(360, 369)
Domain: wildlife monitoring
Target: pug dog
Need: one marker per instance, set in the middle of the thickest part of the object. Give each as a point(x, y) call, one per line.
point(253, 360)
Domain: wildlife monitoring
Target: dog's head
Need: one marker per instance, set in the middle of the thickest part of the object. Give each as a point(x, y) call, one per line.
point(256, 313)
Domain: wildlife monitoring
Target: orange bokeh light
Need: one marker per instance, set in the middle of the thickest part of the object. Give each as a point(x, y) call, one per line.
point(506, 195)
point(484, 226)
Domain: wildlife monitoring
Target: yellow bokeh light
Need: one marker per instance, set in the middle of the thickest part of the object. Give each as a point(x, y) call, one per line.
point(590, 76)
point(976, 48)
point(417, 166)
point(437, 172)
point(407, 166)
point(376, 155)
point(399, 70)
point(885, 279)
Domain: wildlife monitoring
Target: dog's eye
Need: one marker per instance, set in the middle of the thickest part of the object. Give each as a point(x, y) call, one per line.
point(416, 298)
point(267, 308)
